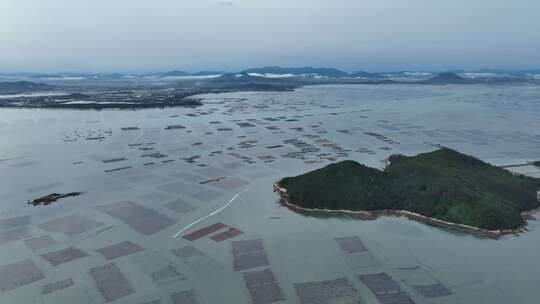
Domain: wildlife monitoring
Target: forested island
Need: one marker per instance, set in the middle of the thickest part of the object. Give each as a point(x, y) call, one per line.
point(443, 187)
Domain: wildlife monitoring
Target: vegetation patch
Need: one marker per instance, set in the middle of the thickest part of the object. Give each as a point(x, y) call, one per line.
point(443, 184)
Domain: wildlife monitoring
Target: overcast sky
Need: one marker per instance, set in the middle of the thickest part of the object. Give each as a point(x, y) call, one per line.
point(372, 35)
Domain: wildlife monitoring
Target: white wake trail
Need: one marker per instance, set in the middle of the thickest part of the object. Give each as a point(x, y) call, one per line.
point(211, 214)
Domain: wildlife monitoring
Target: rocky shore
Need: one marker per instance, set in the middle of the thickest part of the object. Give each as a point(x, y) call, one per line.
point(371, 215)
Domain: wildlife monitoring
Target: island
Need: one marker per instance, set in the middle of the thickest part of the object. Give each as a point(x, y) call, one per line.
point(443, 188)
point(109, 99)
point(51, 198)
point(449, 78)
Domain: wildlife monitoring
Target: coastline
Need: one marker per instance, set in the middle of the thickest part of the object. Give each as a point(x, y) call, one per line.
point(284, 200)
point(34, 99)
point(107, 100)
point(186, 103)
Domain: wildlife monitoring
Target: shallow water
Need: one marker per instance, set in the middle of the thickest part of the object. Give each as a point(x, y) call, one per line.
point(260, 138)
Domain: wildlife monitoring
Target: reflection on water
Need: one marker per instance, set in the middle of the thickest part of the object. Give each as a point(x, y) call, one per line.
point(145, 175)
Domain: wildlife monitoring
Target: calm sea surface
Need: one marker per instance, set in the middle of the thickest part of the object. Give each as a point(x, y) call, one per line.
point(146, 175)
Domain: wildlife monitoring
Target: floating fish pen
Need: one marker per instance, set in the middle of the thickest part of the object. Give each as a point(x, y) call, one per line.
point(174, 127)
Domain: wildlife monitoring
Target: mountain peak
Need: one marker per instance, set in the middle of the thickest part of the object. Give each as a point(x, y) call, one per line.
point(448, 78)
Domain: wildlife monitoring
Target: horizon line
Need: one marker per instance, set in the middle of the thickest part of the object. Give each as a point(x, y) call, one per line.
point(225, 71)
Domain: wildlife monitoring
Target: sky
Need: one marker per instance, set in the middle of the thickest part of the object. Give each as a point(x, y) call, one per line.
point(371, 35)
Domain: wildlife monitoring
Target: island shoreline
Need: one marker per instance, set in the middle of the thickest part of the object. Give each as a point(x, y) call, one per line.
point(285, 201)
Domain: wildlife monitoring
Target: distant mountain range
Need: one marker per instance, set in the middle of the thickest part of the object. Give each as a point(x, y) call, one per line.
point(259, 79)
point(187, 74)
point(276, 71)
point(303, 71)
point(262, 78)
point(250, 81)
